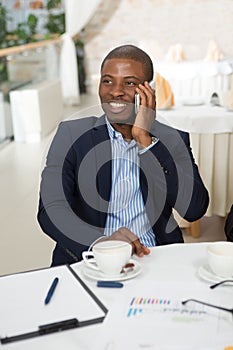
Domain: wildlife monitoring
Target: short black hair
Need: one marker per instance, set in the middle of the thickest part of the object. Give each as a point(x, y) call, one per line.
point(134, 53)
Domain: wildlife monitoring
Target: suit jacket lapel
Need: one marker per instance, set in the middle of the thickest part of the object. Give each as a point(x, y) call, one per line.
point(103, 156)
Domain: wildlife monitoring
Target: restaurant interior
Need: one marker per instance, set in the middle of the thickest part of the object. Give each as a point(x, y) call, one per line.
point(178, 296)
point(50, 57)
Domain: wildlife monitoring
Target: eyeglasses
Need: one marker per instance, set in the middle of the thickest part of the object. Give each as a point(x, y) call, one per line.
point(207, 304)
point(219, 283)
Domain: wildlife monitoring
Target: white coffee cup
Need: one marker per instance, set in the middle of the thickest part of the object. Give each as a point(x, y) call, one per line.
point(109, 256)
point(220, 258)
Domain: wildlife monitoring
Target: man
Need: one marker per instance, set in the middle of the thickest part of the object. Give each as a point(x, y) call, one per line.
point(119, 176)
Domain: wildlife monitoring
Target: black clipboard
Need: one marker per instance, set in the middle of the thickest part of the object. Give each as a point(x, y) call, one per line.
point(63, 324)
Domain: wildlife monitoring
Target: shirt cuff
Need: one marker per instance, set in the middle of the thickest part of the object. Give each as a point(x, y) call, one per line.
point(148, 147)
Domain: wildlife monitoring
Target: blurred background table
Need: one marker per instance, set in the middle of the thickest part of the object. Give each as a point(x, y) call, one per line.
point(6, 128)
point(36, 110)
point(197, 78)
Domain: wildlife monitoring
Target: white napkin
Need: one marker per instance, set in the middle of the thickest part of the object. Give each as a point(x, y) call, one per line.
point(175, 53)
point(213, 52)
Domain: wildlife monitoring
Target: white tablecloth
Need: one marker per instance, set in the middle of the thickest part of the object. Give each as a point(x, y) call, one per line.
point(211, 136)
point(203, 119)
point(177, 264)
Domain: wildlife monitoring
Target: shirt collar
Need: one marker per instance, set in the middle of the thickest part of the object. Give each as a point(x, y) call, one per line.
point(113, 134)
point(111, 131)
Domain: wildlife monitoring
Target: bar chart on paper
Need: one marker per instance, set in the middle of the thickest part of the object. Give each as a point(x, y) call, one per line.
point(173, 310)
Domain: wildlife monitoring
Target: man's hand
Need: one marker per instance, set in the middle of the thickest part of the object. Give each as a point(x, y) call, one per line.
point(123, 234)
point(145, 116)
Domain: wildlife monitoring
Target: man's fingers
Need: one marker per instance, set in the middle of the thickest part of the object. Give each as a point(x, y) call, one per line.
point(146, 250)
point(139, 249)
point(123, 234)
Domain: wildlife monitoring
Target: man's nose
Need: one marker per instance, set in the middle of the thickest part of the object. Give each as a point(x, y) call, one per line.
point(117, 90)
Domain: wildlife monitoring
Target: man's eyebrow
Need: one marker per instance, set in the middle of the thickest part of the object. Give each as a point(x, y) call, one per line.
point(132, 77)
point(106, 76)
point(126, 77)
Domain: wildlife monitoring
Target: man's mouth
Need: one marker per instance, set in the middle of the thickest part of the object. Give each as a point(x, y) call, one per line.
point(118, 110)
point(117, 104)
point(117, 107)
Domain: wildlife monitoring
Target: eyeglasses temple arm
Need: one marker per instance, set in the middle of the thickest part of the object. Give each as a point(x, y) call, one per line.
point(219, 283)
point(207, 304)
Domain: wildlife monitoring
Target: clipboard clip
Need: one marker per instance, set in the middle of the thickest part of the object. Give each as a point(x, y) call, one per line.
point(43, 330)
point(58, 326)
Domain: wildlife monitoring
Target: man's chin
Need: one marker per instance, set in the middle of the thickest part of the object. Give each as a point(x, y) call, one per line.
point(121, 118)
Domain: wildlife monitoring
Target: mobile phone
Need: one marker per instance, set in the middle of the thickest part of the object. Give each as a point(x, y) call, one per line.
point(137, 97)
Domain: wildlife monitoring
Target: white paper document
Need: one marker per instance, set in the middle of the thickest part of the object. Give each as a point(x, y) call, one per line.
point(22, 307)
point(151, 316)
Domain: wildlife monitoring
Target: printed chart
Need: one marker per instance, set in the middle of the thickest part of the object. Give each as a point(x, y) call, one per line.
point(172, 310)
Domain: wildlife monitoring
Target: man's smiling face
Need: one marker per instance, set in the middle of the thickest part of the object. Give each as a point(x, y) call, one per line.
point(119, 79)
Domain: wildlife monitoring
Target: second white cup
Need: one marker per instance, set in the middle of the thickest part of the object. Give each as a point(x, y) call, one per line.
point(109, 256)
point(220, 258)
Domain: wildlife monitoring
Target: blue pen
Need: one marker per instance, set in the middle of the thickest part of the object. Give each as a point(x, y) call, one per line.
point(51, 290)
point(109, 284)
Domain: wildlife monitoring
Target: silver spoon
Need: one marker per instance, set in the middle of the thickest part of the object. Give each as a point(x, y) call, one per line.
point(127, 268)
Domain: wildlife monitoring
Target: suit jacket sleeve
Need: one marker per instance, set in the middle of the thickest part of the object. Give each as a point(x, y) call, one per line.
point(173, 176)
point(56, 215)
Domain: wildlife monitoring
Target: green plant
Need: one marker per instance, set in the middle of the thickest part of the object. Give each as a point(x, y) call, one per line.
point(3, 23)
point(3, 69)
point(53, 4)
point(32, 24)
point(25, 31)
point(56, 23)
point(3, 32)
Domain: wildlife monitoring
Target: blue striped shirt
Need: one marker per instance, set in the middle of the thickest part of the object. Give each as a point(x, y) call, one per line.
point(126, 206)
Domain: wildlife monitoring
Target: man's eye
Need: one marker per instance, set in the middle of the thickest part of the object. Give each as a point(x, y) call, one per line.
point(131, 83)
point(106, 81)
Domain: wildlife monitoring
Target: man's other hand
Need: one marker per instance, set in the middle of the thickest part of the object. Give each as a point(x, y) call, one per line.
point(123, 234)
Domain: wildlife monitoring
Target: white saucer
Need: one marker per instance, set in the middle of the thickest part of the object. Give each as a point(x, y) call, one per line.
point(165, 108)
point(206, 274)
point(100, 276)
point(193, 102)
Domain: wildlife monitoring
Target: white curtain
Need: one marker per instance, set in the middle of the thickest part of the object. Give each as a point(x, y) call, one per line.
point(77, 12)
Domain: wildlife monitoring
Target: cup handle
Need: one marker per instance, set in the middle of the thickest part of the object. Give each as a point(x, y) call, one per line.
point(91, 263)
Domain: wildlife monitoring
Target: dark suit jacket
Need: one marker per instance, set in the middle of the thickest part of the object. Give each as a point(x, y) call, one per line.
point(76, 186)
point(229, 225)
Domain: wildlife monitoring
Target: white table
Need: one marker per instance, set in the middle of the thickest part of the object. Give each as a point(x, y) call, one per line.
point(211, 135)
point(36, 110)
point(177, 264)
